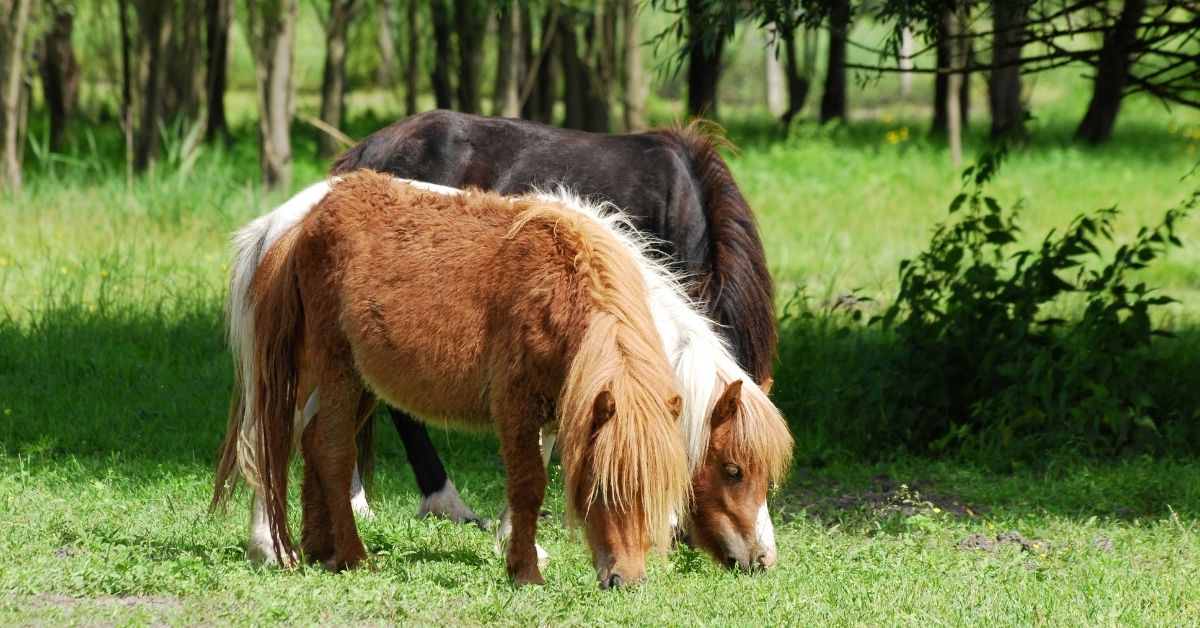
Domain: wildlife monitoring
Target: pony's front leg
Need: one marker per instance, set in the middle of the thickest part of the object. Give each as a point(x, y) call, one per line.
point(504, 521)
point(519, 446)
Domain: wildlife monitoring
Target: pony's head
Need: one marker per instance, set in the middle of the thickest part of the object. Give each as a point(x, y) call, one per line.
point(620, 522)
point(749, 448)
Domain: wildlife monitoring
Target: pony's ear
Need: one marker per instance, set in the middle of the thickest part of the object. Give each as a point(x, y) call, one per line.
point(766, 385)
point(676, 404)
point(603, 409)
point(727, 405)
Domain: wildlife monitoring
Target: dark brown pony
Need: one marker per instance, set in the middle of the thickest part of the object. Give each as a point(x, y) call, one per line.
point(672, 183)
point(516, 313)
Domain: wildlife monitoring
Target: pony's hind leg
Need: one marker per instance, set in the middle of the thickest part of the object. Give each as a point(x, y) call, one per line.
point(328, 532)
point(519, 446)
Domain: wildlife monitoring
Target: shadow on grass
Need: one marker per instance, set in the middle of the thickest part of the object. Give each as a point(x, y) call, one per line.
point(150, 387)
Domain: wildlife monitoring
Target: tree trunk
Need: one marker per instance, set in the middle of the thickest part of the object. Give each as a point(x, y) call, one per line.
point(574, 79)
point(798, 74)
point(940, 91)
point(385, 74)
point(271, 32)
point(15, 16)
point(333, 82)
point(542, 81)
point(443, 93)
point(126, 91)
point(470, 26)
point(510, 64)
point(776, 80)
point(1112, 71)
point(185, 78)
point(833, 98)
point(414, 59)
point(600, 66)
point(1004, 84)
point(154, 36)
point(704, 67)
point(218, 17)
point(635, 83)
point(60, 74)
point(955, 119)
point(906, 61)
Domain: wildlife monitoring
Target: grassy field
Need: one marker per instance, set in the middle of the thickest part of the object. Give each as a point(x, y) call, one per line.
point(114, 382)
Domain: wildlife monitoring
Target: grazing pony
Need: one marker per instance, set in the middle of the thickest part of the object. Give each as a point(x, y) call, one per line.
point(671, 183)
point(464, 310)
point(736, 441)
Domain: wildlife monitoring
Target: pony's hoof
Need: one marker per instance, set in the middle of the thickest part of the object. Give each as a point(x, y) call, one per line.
point(447, 503)
point(532, 577)
point(266, 556)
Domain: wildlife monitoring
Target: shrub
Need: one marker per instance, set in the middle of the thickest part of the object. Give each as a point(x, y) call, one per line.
point(983, 352)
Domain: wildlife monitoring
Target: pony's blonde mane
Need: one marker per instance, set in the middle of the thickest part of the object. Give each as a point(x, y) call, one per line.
point(636, 459)
point(701, 359)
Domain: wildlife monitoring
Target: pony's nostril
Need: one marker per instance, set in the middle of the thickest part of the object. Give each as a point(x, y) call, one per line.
point(614, 581)
point(731, 562)
point(760, 563)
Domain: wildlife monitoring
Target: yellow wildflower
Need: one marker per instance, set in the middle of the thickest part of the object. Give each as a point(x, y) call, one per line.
point(936, 510)
point(887, 118)
point(892, 137)
point(904, 133)
point(103, 273)
point(1173, 129)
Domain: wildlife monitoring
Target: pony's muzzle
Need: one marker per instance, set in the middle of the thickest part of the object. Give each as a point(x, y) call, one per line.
point(613, 581)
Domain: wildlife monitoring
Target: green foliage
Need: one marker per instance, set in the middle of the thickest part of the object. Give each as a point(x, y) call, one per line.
point(982, 354)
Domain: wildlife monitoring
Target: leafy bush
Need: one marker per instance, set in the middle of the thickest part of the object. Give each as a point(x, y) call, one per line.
point(983, 353)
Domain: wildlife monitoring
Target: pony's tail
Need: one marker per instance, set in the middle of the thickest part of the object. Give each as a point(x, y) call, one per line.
point(738, 291)
point(635, 455)
point(265, 442)
point(227, 463)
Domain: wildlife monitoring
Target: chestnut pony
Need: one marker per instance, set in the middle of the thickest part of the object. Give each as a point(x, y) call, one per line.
point(736, 440)
point(464, 310)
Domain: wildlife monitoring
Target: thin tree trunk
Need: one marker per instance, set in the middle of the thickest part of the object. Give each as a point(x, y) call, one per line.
point(574, 78)
point(272, 31)
point(955, 119)
point(218, 17)
point(509, 63)
point(443, 93)
point(333, 82)
point(1112, 72)
point(1004, 84)
point(386, 73)
point(906, 61)
point(185, 80)
point(635, 83)
point(941, 89)
point(470, 29)
point(704, 67)
point(833, 98)
point(799, 75)
point(60, 74)
point(15, 16)
point(154, 36)
point(414, 58)
point(126, 92)
point(776, 79)
point(600, 66)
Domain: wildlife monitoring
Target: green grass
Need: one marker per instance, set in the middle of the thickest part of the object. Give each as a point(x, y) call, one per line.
point(114, 382)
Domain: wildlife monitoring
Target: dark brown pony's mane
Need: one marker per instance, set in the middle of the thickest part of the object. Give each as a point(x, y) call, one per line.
point(736, 286)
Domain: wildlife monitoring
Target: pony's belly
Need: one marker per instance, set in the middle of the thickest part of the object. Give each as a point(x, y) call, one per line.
point(424, 388)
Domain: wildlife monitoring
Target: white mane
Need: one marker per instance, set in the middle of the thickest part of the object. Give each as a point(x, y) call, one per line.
point(700, 358)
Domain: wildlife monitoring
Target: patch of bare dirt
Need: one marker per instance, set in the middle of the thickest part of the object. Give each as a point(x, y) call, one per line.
point(888, 496)
point(68, 602)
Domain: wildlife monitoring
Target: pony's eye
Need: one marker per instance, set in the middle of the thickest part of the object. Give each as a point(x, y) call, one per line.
point(733, 471)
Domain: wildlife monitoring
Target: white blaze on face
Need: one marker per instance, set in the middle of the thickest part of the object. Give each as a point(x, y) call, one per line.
point(766, 536)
